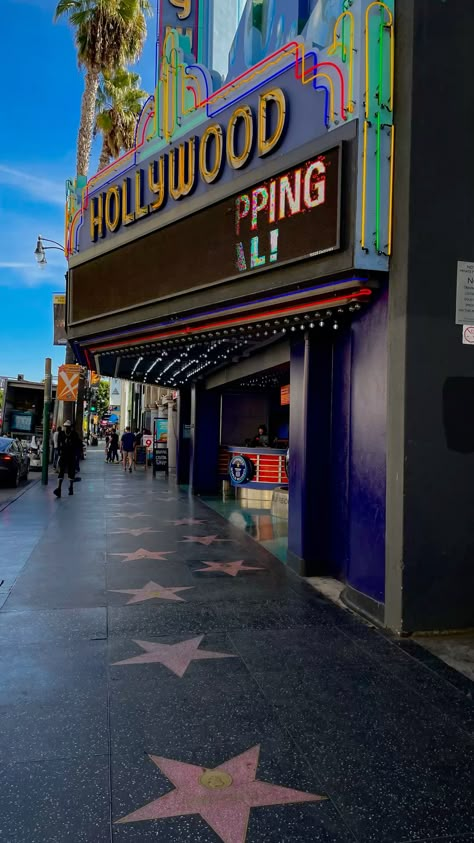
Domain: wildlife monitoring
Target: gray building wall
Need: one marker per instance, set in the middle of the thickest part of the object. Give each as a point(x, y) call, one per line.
point(430, 499)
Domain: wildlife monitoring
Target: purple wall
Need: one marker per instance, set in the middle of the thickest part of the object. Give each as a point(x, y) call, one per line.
point(338, 452)
point(367, 460)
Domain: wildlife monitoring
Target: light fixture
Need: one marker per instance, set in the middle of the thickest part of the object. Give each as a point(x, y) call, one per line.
point(40, 251)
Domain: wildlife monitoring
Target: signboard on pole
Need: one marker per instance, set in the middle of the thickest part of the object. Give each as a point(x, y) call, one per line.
point(59, 317)
point(68, 382)
point(465, 293)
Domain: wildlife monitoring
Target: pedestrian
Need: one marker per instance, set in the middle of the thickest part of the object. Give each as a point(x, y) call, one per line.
point(68, 447)
point(114, 445)
point(56, 438)
point(107, 444)
point(128, 444)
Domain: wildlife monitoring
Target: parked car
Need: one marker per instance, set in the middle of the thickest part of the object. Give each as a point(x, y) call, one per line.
point(14, 460)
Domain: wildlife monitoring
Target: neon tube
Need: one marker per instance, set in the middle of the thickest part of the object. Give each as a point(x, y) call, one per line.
point(367, 38)
point(377, 185)
point(391, 189)
point(364, 187)
point(335, 45)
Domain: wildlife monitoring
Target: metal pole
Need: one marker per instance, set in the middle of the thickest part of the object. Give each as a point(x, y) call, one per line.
point(46, 413)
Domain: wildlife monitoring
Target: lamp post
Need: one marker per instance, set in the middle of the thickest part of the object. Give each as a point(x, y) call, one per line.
point(46, 413)
point(40, 255)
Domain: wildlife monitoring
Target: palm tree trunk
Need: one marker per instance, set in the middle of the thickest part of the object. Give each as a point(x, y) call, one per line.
point(86, 127)
point(105, 155)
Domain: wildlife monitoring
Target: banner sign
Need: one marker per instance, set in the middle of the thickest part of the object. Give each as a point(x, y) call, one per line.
point(68, 382)
point(59, 317)
point(161, 431)
point(115, 391)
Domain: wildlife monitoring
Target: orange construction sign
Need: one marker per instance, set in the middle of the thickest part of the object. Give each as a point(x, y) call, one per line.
point(95, 378)
point(68, 382)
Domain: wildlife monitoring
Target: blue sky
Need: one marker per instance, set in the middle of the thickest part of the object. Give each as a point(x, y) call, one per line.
point(39, 114)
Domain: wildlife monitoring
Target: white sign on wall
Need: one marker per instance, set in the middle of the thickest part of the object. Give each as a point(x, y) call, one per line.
point(465, 293)
point(468, 334)
point(115, 391)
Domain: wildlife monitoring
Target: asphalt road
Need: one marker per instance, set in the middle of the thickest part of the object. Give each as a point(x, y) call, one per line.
point(8, 494)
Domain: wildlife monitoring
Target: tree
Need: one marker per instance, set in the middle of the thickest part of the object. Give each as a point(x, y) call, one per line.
point(103, 398)
point(108, 34)
point(119, 103)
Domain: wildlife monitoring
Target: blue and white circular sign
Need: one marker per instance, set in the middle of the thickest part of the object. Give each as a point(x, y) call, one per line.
point(240, 470)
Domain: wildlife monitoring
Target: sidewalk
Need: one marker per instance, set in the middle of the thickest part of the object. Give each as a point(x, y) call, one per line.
point(163, 678)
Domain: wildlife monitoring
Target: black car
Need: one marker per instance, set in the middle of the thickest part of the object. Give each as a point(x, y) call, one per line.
point(14, 460)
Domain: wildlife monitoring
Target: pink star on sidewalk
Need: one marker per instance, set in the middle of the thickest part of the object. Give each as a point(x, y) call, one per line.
point(176, 657)
point(138, 531)
point(141, 553)
point(222, 796)
point(231, 568)
point(207, 540)
point(150, 591)
point(186, 522)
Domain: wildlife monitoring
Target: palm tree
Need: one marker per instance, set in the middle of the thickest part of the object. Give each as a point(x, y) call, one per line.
point(119, 102)
point(108, 34)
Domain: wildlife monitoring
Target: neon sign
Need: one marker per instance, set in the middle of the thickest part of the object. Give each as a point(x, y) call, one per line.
point(347, 69)
point(175, 174)
point(262, 214)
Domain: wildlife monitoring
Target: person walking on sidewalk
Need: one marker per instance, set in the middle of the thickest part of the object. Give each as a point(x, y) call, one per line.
point(68, 445)
point(56, 439)
point(113, 450)
point(128, 444)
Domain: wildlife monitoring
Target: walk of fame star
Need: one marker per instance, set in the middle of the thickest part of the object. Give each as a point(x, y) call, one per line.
point(206, 540)
point(231, 568)
point(186, 522)
point(223, 796)
point(152, 590)
point(141, 553)
point(176, 657)
point(138, 531)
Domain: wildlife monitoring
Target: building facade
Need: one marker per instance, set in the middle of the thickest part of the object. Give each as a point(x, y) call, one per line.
point(281, 248)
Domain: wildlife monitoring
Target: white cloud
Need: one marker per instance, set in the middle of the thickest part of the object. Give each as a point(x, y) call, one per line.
point(28, 276)
point(47, 190)
point(14, 265)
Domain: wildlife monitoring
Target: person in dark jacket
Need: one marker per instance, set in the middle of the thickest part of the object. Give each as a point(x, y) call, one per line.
point(68, 447)
point(113, 450)
point(128, 445)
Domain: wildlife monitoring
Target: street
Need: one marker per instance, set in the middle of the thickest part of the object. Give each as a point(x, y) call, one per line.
point(9, 494)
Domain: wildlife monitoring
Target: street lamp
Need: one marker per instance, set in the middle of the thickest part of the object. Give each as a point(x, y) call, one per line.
point(40, 251)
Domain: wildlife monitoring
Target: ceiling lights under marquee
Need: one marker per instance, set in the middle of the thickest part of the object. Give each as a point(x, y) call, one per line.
point(180, 355)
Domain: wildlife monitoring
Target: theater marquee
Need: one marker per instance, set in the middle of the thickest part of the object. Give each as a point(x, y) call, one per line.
point(292, 216)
